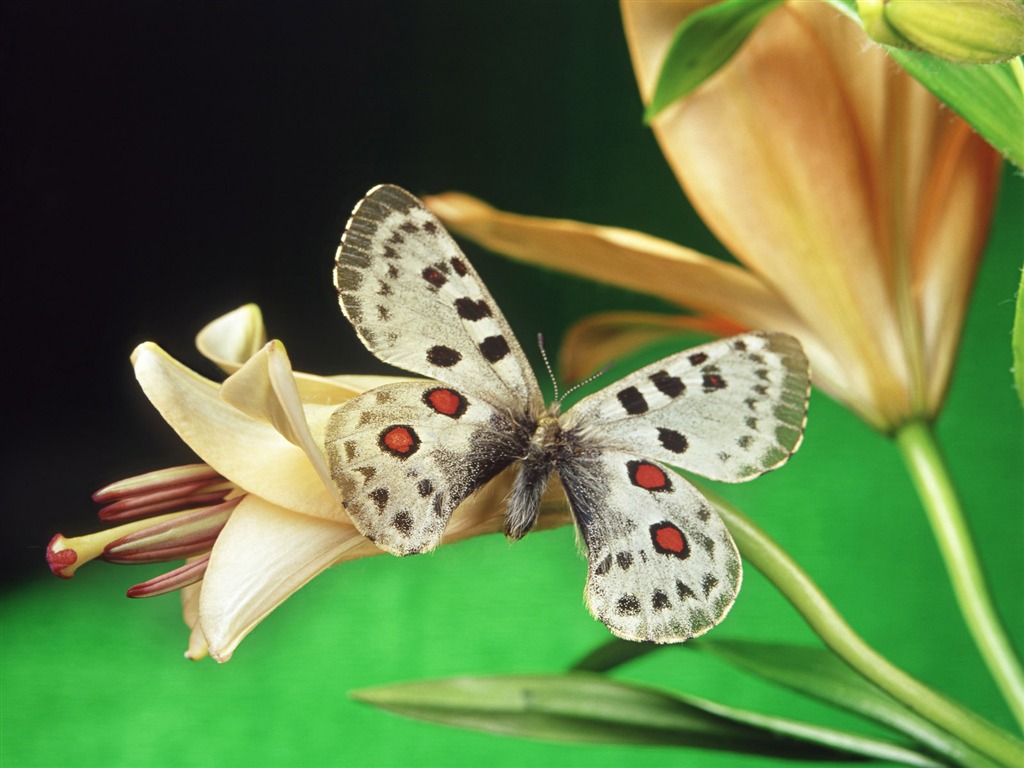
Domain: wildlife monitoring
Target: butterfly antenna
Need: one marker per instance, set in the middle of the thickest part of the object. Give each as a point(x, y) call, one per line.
point(547, 364)
point(603, 370)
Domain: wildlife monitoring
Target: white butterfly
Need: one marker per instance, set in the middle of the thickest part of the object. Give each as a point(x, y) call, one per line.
point(662, 566)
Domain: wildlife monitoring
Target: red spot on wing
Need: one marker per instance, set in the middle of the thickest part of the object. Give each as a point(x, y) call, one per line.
point(669, 538)
point(446, 401)
point(649, 476)
point(401, 441)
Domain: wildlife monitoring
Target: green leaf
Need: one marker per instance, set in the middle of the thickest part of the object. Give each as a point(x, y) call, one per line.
point(704, 42)
point(819, 673)
point(592, 709)
point(612, 654)
point(1017, 342)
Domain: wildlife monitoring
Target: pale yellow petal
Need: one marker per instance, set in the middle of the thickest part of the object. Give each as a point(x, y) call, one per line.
point(248, 452)
point(600, 339)
point(265, 390)
point(263, 555)
point(233, 338)
point(197, 648)
point(621, 257)
point(334, 390)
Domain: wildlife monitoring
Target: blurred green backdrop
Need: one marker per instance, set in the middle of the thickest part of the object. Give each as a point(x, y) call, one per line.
point(167, 162)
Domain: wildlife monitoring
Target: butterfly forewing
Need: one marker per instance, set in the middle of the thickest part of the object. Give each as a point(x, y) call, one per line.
point(405, 455)
point(662, 566)
point(416, 302)
point(728, 410)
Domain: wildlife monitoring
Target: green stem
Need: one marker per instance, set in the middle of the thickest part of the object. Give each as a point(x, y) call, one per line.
point(799, 589)
point(931, 477)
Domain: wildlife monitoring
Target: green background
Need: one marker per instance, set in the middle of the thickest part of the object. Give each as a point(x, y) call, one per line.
point(267, 124)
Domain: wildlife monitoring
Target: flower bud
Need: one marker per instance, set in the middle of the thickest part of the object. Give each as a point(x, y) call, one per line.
point(961, 31)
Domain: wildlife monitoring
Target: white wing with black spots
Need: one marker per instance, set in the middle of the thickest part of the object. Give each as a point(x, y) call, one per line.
point(416, 302)
point(662, 565)
point(729, 410)
point(405, 455)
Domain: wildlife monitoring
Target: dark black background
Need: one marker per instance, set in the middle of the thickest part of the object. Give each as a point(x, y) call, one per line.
point(165, 162)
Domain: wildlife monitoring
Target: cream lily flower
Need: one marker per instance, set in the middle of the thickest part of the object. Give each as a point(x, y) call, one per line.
point(857, 205)
point(261, 516)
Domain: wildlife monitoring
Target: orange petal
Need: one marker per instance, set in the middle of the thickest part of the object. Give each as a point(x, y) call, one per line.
point(953, 221)
point(620, 257)
point(805, 156)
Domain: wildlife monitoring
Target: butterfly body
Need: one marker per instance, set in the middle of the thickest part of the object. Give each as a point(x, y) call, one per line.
point(662, 564)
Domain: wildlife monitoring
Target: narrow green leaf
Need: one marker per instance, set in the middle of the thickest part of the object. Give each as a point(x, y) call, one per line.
point(704, 42)
point(818, 673)
point(592, 709)
point(1017, 342)
point(612, 654)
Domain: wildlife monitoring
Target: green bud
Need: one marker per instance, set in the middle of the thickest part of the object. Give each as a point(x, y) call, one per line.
point(961, 31)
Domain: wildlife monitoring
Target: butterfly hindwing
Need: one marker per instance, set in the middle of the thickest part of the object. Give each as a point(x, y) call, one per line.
point(662, 565)
point(416, 302)
point(405, 455)
point(728, 410)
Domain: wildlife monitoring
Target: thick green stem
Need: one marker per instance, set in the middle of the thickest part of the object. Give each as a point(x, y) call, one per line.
point(767, 556)
point(931, 477)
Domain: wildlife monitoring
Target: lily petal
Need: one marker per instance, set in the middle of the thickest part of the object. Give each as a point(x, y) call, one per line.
point(622, 257)
point(952, 225)
point(263, 555)
point(197, 648)
point(248, 452)
point(233, 338)
point(265, 389)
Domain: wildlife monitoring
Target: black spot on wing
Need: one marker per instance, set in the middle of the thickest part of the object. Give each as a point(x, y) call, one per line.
point(660, 601)
point(402, 522)
point(625, 560)
point(628, 605)
point(469, 309)
point(434, 277)
point(442, 356)
point(684, 591)
point(672, 440)
point(494, 348)
point(632, 401)
point(379, 497)
point(708, 583)
point(671, 386)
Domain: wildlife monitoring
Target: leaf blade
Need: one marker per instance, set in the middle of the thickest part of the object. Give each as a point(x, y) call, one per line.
point(702, 44)
point(818, 673)
point(593, 709)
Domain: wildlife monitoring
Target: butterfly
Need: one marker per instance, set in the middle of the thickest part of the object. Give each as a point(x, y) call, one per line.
point(662, 565)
